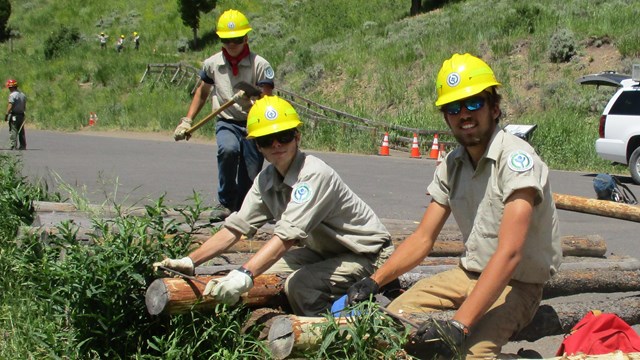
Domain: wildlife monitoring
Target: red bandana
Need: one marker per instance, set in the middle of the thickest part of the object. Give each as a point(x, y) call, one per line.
point(235, 60)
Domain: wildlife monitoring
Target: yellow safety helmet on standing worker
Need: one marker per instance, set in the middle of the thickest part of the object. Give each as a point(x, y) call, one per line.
point(232, 24)
point(269, 115)
point(463, 76)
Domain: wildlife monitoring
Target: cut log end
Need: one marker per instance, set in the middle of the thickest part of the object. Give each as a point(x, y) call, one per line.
point(156, 297)
point(281, 337)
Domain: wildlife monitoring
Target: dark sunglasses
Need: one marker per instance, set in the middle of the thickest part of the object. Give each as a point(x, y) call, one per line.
point(238, 40)
point(283, 137)
point(472, 104)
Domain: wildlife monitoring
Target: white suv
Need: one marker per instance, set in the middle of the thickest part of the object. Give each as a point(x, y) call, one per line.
point(620, 121)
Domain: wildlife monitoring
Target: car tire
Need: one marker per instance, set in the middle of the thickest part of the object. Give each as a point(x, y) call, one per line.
point(634, 165)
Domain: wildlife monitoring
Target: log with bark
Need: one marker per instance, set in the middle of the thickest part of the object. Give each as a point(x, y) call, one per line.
point(176, 295)
point(179, 295)
point(290, 334)
point(597, 207)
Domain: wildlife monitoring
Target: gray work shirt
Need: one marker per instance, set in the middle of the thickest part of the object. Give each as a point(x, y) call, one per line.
point(18, 101)
point(251, 69)
point(477, 199)
point(313, 205)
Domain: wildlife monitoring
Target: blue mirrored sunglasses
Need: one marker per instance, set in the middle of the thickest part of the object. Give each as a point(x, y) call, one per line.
point(472, 104)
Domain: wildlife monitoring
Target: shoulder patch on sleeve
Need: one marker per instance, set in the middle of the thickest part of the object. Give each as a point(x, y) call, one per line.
point(301, 193)
point(520, 161)
point(269, 73)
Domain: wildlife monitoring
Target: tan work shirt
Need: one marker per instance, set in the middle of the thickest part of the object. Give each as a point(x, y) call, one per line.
point(251, 69)
point(477, 200)
point(313, 205)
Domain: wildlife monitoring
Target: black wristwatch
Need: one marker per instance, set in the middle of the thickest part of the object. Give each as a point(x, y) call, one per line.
point(460, 326)
point(243, 269)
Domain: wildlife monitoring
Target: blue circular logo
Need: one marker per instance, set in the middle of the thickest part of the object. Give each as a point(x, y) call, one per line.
point(453, 79)
point(301, 193)
point(270, 113)
point(269, 73)
point(520, 161)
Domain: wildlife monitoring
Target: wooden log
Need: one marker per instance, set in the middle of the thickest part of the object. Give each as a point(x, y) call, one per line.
point(565, 282)
point(178, 295)
point(571, 282)
point(173, 295)
point(597, 207)
point(290, 334)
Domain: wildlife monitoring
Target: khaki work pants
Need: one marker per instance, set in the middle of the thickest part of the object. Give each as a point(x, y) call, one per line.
point(316, 282)
point(511, 312)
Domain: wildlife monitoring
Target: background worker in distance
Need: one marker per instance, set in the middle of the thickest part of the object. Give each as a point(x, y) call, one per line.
point(341, 238)
point(103, 40)
point(238, 158)
point(15, 116)
point(498, 191)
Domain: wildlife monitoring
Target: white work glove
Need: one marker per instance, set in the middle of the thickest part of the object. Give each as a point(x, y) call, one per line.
point(183, 265)
point(228, 289)
point(181, 131)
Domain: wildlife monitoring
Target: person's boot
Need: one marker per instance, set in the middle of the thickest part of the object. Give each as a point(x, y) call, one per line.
point(219, 213)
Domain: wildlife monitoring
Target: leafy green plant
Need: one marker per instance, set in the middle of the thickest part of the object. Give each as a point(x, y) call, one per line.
point(370, 334)
point(59, 41)
point(209, 336)
point(562, 46)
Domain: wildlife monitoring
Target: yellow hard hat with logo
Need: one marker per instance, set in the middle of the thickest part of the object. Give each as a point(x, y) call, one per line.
point(269, 115)
point(463, 76)
point(232, 24)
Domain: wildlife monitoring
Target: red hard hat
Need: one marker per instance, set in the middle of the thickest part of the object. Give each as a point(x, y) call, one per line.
point(12, 83)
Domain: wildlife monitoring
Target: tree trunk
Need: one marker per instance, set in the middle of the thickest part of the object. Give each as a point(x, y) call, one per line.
point(597, 207)
point(178, 295)
point(290, 334)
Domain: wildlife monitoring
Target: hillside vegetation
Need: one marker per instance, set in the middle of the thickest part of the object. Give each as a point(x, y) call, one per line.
point(369, 58)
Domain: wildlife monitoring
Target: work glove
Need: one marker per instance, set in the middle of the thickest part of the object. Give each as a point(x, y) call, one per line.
point(444, 338)
point(227, 290)
point(183, 265)
point(362, 290)
point(181, 131)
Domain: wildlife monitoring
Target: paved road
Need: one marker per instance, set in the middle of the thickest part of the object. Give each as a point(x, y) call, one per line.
point(141, 168)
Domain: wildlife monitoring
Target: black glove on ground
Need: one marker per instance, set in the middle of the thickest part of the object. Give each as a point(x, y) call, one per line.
point(362, 290)
point(437, 338)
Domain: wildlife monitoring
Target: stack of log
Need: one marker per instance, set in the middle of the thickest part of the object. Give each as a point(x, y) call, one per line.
point(585, 269)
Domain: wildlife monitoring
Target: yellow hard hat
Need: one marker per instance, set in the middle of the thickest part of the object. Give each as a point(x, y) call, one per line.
point(122, 36)
point(269, 115)
point(232, 24)
point(463, 76)
point(135, 33)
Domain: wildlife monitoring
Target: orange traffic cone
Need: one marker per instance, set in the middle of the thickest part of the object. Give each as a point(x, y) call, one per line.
point(434, 148)
point(415, 148)
point(441, 154)
point(384, 149)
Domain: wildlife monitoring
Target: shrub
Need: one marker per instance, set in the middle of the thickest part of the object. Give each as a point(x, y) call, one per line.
point(60, 41)
point(5, 13)
point(562, 46)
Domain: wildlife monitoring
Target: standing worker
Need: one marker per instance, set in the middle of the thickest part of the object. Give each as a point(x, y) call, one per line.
point(15, 116)
point(238, 158)
point(120, 43)
point(497, 189)
point(340, 236)
point(136, 40)
point(103, 40)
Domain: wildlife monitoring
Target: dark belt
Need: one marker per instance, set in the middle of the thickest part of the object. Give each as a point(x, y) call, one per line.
point(234, 121)
point(15, 113)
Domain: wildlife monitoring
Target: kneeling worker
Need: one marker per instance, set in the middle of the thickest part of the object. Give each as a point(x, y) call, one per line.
point(341, 239)
point(497, 189)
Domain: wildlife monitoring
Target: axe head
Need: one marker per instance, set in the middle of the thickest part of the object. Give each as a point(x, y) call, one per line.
point(249, 90)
